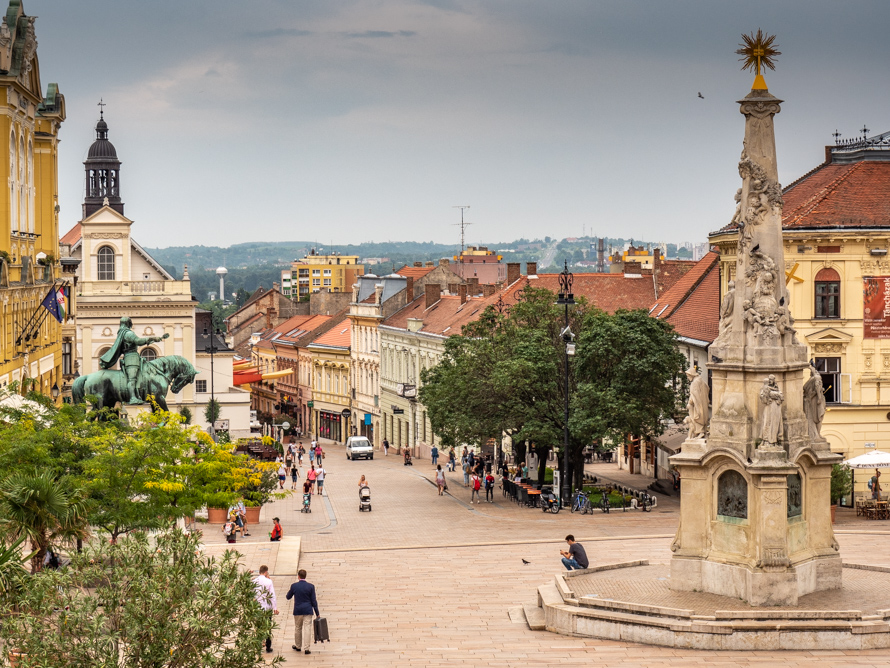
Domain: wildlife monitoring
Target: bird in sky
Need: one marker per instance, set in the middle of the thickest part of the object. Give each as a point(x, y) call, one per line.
point(701, 96)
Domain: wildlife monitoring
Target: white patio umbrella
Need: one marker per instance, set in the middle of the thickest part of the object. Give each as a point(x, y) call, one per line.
point(876, 459)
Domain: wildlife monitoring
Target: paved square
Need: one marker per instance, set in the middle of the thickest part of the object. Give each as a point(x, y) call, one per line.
point(425, 580)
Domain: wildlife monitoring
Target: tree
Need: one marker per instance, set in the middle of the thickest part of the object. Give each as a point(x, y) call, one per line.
point(186, 414)
point(140, 605)
point(212, 411)
point(46, 511)
point(506, 374)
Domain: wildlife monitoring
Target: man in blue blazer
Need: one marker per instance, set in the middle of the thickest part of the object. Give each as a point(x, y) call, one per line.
point(305, 603)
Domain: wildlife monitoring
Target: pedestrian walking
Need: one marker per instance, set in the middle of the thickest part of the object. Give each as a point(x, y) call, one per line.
point(434, 453)
point(385, 447)
point(319, 453)
point(471, 459)
point(319, 479)
point(466, 472)
point(311, 455)
point(282, 475)
point(440, 479)
point(294, 475)
point(305, 604)
point(275, 534)
point(451, 460)
point(265, 596)
point(489, 487)
point(310, 477)
point(300, 452)
point(475, 485)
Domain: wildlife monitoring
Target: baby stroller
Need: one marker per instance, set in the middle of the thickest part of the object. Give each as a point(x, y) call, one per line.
point(364, 498)
point(307, 503)
point(408, 461)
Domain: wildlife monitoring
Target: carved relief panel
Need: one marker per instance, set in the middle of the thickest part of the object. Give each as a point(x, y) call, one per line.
point(732, 495)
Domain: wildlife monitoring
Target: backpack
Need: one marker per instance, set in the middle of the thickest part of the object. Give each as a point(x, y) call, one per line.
point(476, 484)
point(228, 528)
point(871, 482)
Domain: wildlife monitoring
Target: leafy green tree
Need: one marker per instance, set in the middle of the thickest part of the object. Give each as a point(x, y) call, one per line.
point(506, 374)
point(212, 411)
point(186, 414)
point(46, 511)
point(135, 604)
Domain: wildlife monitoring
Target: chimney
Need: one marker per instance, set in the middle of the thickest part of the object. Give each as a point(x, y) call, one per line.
point(462, 291)
point(276, 286)
point(378, 293)
point(473, 286)
point(418, 264)
point(452, 288)
point(513, 272)
point(489, 290)
point(633, 268)
point(531, 268)
point(429, 263)
point(409, 288)
point(444, 262)
point(433, 292)
point(657, 258)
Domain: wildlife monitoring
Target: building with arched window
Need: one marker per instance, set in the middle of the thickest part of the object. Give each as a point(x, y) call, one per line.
point(30, 342)
point(836, 221)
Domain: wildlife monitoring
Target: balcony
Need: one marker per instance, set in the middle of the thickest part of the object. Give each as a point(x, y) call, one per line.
point(136, 288)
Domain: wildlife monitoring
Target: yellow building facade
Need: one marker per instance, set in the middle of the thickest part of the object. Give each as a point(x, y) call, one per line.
point(30, 338)
point(317, 272)
point(836, 231)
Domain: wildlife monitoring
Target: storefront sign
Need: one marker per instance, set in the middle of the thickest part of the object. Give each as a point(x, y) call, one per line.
point(876, 307)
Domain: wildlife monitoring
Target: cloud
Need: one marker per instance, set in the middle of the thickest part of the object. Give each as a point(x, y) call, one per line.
point(279, 32)
point(373, 34)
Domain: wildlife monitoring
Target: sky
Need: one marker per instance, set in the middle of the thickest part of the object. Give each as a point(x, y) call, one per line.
point(345, 122)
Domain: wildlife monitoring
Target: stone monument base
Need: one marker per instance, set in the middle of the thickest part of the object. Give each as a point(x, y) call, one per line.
point(633, 602)
point(757, 586)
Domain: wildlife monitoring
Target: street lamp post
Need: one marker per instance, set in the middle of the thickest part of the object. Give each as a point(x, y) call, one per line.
point(566, 298)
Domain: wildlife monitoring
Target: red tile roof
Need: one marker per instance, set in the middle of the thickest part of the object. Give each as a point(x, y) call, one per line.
point(609, 292)
point(414, 272)
point(692, 305)
point(72, 236)
point(340, 336)
point(838, 195)
point(851, 195)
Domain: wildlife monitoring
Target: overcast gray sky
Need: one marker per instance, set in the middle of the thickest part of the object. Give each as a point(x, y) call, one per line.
point(367, 121)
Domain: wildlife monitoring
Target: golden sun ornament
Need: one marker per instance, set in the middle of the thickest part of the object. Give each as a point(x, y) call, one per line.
point(758, 50)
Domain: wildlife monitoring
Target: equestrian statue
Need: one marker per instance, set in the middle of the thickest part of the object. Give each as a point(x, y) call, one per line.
point(139, 378)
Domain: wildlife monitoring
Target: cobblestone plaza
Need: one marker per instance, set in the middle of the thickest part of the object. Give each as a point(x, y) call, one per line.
point(425, 580)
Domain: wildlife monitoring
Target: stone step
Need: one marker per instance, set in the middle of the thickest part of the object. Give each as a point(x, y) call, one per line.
point(535, 617)
point(548, 595)
point(517, 615)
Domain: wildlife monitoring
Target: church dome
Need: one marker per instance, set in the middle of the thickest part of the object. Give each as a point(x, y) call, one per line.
point(102, 149)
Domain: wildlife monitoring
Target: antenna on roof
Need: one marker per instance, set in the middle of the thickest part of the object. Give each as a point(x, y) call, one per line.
point(463, 225)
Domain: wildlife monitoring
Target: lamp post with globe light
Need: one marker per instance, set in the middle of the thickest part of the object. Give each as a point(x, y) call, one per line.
point(567, 299)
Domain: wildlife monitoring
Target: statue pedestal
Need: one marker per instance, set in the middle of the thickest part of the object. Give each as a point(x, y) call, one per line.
point(132, 411)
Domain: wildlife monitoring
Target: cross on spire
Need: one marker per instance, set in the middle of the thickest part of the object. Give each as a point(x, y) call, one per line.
point(101, 104)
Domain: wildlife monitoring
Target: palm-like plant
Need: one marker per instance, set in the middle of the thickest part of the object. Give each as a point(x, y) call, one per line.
point(42, 509)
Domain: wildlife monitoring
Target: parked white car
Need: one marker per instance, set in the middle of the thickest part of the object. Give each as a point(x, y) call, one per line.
point(358, 447)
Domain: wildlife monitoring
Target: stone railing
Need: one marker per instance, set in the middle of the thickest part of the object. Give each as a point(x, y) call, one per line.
point(171, 288)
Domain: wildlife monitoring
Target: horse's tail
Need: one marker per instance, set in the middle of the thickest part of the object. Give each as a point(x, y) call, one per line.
point(78, 395)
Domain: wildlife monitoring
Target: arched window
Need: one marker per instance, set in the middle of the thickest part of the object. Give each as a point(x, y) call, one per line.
point(149, 354)
point(828, 294)
point(732, 495)
point(106, 263)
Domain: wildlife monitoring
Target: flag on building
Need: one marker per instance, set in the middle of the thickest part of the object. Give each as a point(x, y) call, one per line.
point(62, 299)
point(51, 304)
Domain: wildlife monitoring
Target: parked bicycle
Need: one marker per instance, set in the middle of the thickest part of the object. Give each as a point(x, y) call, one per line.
point(581, 503)
point(604, 502)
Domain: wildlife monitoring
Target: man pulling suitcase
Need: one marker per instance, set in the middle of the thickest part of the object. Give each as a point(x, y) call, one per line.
point(305, 604)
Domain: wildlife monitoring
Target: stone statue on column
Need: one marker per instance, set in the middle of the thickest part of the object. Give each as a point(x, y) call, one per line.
point(697, 405)
point(771, 426)
point(814, 404)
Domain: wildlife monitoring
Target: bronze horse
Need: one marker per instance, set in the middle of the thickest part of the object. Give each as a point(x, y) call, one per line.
point(157, 376)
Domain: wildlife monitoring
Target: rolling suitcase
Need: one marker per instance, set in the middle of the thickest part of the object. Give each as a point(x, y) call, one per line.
point(321, 629)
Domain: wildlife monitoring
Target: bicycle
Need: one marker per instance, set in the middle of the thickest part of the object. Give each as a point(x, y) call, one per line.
point(604, 502)
point(581, 502)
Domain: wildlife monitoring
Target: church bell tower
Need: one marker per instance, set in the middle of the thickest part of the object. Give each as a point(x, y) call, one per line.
point(102, 173)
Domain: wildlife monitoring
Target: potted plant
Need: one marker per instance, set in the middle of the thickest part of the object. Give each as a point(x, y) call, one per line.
point(841, 485)
point(261, 481)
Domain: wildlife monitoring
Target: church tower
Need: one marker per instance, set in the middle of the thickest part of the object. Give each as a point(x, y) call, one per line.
point(102, 173)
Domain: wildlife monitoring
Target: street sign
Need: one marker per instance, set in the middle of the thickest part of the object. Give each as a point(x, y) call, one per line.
point(310, 404)
point(346, 413)
point(398, 411)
